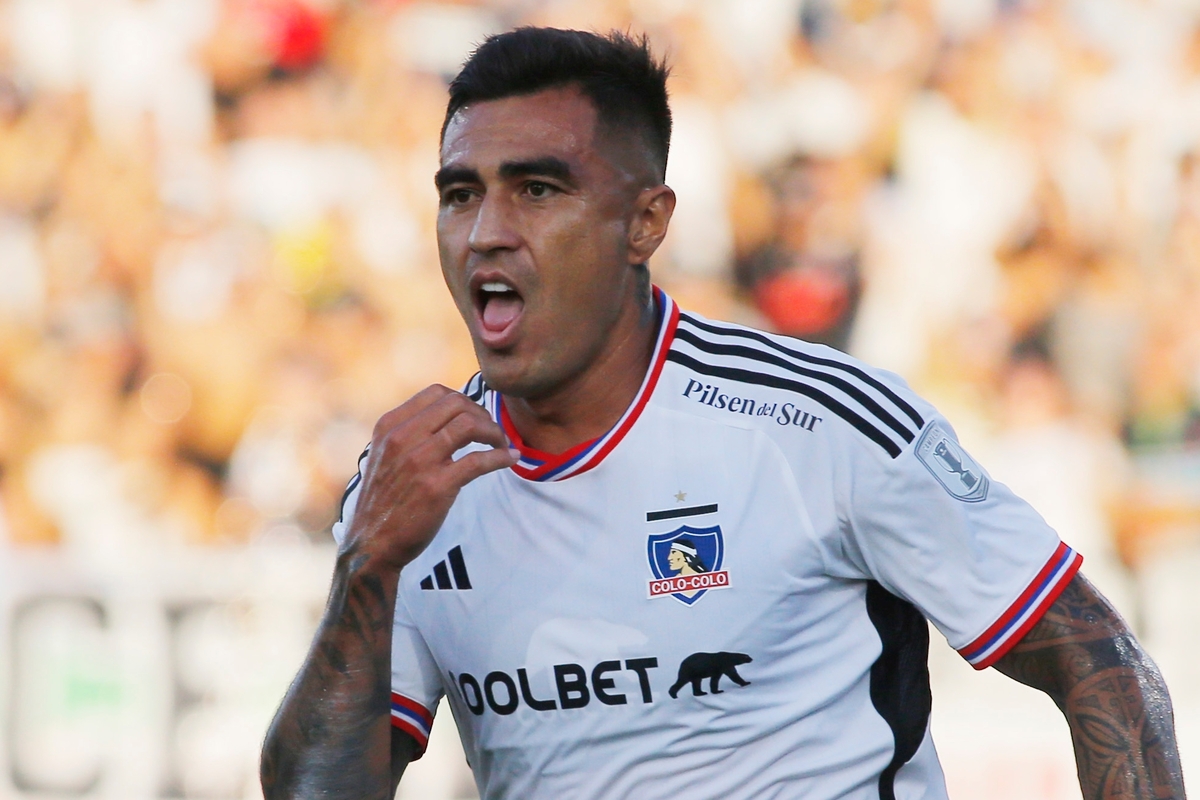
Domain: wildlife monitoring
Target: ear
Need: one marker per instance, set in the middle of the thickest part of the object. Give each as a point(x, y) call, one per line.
point(652, 212)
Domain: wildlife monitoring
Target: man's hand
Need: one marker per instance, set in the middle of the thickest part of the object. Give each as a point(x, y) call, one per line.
point(1083, 655)
point(411, 479)
point(332, 735)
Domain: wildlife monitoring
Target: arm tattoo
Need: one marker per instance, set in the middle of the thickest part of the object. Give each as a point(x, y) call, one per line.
point(332, 735)
point(1083, 655)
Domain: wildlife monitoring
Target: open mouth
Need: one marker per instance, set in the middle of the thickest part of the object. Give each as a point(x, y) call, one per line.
point(500, 306)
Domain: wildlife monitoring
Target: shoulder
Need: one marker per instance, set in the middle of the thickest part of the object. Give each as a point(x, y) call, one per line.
point(777, 380)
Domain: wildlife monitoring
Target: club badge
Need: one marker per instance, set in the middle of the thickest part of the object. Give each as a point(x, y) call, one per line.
point(686, 563)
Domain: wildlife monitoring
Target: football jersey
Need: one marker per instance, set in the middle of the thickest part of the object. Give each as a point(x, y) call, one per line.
point(725, 596)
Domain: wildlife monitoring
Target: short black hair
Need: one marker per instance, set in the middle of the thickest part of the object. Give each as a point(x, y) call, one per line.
point(617, 72)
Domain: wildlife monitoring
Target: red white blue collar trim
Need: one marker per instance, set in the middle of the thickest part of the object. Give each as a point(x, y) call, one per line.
point(535, 465)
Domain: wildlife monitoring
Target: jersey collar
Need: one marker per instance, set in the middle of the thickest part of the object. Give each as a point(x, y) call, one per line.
point(536, 465)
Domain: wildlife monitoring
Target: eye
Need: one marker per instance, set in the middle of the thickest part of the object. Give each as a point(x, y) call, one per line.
point(457, 197)
point(538, 189)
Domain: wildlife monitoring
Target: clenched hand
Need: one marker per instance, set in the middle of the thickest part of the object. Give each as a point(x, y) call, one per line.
point(411, 478)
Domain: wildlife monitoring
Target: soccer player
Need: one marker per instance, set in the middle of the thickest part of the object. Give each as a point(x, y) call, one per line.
point(515, 547)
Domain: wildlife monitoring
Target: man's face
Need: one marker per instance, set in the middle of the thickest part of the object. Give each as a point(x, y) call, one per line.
point(675, 560)
point(533, 234)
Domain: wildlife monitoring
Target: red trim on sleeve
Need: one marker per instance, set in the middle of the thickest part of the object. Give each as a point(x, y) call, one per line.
point(1026, 610)
point(412, 730)
point(413, 718)
point(413, 706)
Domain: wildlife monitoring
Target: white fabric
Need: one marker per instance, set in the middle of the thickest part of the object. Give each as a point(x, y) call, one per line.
point(810, 509)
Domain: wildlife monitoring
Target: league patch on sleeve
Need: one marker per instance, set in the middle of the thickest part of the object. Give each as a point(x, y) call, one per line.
point(961, 476)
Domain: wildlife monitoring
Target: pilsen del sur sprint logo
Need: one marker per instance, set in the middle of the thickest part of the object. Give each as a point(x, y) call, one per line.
point(687, 563)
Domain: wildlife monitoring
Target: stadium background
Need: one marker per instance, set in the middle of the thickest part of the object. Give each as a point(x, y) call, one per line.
point(217, 267)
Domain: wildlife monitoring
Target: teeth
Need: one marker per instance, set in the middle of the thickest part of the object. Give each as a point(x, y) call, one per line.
point(496, 286)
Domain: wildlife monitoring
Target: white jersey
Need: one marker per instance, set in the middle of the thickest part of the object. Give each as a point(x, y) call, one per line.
point(724, 596)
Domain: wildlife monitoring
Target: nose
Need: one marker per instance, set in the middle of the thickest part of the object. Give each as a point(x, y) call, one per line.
point(493, 229)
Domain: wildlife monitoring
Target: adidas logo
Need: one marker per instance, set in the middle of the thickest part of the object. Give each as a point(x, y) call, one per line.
point(441, 575)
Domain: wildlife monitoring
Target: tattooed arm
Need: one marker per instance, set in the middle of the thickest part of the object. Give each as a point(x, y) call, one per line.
point(332, 736)
point(1083, 655)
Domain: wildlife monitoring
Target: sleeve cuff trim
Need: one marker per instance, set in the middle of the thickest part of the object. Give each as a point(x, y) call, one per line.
point(413, 718)
point(1023, 614)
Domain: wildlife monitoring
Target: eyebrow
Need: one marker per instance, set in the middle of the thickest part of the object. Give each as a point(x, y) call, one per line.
point(448, 175)
point(547, 166)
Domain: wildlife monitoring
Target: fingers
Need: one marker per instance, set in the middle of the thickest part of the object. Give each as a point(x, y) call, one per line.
point(428, 412)
point(481, 462)
point(432, 426)
point(438, 414)
point(411, 408)
point(411, 478)
point(462, 429)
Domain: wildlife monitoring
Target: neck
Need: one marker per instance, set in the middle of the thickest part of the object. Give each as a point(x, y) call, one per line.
point(589, 404)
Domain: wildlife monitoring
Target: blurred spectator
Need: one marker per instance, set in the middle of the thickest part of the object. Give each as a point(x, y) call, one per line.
point(805, 276)
point(1073, 473)
point(216, 224)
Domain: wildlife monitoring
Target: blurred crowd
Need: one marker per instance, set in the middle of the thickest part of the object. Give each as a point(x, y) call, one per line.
point(218, 267)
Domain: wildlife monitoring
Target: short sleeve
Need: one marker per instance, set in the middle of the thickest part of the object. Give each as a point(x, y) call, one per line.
point(416, 682)
point(350, 500)
point(416, 685)
point(934, 528)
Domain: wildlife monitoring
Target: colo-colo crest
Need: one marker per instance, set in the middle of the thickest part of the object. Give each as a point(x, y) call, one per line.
point(686, 563)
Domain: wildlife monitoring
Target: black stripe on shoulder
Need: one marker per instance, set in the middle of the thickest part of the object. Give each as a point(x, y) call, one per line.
point(861, 374)
point(754, 354)
point(355, 481)
point(475, 387)
point(775, 382)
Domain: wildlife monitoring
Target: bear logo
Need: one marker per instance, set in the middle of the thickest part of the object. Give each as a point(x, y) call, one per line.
point(698, 666)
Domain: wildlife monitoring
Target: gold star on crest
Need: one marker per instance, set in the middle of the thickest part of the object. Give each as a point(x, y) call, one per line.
point(680, 496)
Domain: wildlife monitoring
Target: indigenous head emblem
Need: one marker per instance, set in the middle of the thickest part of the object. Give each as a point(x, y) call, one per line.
point(950, 464)
point(686, 563)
